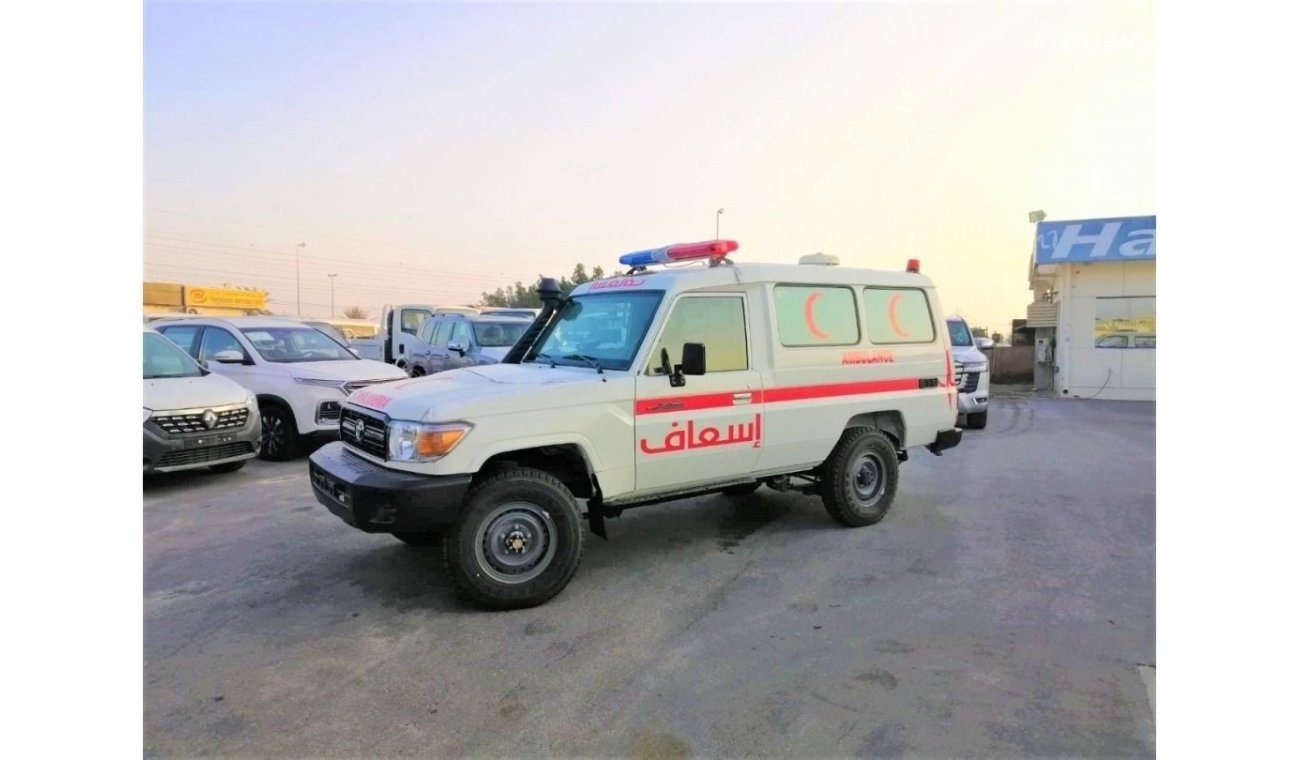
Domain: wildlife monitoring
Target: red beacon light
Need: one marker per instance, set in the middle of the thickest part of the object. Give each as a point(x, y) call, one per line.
point(714, 250)
point(914, 266)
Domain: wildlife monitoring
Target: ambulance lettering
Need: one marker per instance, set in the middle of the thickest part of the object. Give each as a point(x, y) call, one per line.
point(622, 282)
point(867, 357)
point(690, 438)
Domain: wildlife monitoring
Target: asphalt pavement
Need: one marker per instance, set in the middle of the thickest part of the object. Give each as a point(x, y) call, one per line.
point(1005, 607)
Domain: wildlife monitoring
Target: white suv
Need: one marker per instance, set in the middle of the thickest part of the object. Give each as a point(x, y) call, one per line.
point(971, 368)
point(300, 375)
point(647, 387)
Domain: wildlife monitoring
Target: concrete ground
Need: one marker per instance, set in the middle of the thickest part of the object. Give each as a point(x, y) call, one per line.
point(1005, 607)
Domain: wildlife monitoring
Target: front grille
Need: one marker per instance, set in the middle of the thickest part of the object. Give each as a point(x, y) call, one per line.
point(374, 432)
point(969, 382)
point(205, 454)
point(193, 423)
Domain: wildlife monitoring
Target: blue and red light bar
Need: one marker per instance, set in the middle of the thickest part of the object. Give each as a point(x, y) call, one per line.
point(712, 249)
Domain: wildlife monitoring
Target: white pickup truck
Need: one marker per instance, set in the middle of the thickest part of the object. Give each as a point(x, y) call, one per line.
point(397, 332)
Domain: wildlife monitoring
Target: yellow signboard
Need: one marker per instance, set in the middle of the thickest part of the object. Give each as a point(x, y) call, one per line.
point(224, 297)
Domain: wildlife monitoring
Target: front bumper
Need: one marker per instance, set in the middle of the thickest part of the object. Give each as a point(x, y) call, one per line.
point(973, 403)
point(164, 452)
point(377, 500)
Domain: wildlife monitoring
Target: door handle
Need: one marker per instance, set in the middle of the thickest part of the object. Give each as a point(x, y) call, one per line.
point(742, 398)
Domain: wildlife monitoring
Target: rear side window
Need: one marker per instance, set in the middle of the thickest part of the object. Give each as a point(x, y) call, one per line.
point(814, 315)
point(898, 315)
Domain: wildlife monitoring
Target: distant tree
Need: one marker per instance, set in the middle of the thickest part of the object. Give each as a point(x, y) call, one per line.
point(519, 295)
point(980, 332)
point(354, 312)
point(997, 338)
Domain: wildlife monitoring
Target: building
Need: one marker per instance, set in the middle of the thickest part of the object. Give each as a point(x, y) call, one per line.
point(1093, 317)
point(168, 298)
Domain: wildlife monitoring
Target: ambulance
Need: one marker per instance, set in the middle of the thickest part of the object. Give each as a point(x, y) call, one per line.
point(689, 373)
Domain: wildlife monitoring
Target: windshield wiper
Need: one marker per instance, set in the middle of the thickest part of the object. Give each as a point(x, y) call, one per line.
point(547, 357)
point(590, 360)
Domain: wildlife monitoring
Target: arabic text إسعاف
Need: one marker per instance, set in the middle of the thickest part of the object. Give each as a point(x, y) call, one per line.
point(682, 439)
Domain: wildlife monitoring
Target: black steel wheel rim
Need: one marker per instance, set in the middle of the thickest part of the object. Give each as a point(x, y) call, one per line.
point(869, 478)
point(515, 542)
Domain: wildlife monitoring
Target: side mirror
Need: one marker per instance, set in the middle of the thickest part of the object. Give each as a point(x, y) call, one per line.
point(458, 348)
point(692, 359)
point(983, 343)
point(229, 357)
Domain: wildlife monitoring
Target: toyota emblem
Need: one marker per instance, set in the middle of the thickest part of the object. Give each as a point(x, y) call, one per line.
point(209, 419)
point(360, 430)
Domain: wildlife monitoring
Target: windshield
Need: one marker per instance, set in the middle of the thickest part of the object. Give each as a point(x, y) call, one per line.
point(498, 334)
point(162, 358)
point(295, 344)
point(329, 330)
point(606, 328)
point(959, 334)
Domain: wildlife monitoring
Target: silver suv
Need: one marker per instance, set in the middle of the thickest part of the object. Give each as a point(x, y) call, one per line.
point(452, 341)
point(971, 373)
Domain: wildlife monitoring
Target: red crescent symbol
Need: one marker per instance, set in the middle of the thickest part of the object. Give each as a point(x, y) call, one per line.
point(893, 318)
point(808, 316)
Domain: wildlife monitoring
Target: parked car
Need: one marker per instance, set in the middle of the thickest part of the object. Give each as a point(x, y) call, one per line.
point(509, 311)
point(300, 375)
point(461, 340)
point(396, 337)
point(971, 374)
point(194, 418)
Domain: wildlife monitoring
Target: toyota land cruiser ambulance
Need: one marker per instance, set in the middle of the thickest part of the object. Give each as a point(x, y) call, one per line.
point(652, 385)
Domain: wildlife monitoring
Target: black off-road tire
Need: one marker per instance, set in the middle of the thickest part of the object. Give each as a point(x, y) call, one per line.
point(427, 538)
point(977, 421)
point(417, 371)
point(229, 466)
point(744, 489)
point(519, 501)
point(851, 479)
point(279, 433)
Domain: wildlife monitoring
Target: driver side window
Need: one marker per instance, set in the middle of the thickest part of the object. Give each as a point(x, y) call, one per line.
point(718, 322)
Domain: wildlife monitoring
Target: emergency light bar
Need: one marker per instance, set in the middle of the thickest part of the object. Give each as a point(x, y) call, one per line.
point(713, 249)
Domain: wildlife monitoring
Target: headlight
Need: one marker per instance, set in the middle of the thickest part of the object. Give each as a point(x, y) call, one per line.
point(423, 442)
point(251, 400)
point(335, 384)
point(977, 367)
point(147, 412)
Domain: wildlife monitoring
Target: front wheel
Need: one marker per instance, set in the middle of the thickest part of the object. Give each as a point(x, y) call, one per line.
point(859, 478)
point(518, 542)
point(279, 433)
point(417, 371)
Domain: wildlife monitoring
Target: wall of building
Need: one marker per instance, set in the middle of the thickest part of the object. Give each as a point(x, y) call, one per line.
point(1011, 364)
point(1087, 371)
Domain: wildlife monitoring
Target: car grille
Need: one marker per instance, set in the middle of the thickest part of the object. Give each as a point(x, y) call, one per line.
point(969, 382)
point(193, 423)
point(205, 454)
point(374, 432)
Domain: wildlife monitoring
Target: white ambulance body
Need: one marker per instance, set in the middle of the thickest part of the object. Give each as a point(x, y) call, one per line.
point(645, 387)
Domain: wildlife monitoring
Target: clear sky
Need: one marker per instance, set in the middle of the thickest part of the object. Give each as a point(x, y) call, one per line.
point(426, 152)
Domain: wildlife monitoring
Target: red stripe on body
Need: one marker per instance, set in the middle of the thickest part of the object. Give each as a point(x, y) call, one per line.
point(667, 404)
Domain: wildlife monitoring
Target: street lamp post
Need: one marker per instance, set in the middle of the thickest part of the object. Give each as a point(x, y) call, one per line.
point(297, 271)
point(717, 225)
point(332, 276)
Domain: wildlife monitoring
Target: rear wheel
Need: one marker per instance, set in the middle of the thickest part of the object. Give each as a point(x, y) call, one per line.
point(977, 421)
point(417, 371)
point(279, 433)
point(229, 466)
point(518, 542)
point(859, 478)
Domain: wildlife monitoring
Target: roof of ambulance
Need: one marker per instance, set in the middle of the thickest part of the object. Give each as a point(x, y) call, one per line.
point(702, 276)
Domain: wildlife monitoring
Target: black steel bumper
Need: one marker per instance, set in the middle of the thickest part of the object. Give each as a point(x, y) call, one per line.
point(375, 500)
point(944, 441)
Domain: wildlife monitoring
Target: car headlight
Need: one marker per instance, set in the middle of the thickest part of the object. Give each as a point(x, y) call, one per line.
point(251, 400)
point(423, 442)
point(977, 367)
point(335, 384)
point(147, 412)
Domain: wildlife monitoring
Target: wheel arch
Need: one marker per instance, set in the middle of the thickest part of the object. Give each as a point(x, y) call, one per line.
point(569, 462)
point(889, 422)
